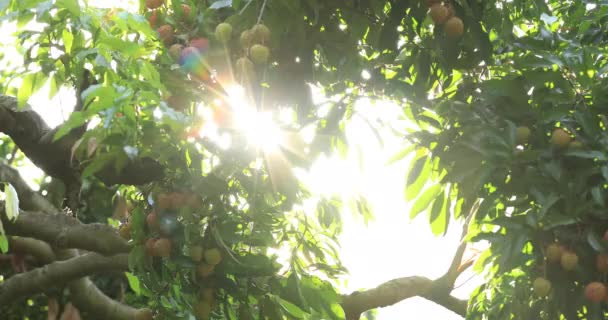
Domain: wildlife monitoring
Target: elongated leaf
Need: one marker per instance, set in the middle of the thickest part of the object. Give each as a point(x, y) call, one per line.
point(439, 216)
point(133, 283)
point(291, 308)
point(412, 190)
point(3, 240)
point(401, 154)
point(425, 200)
point(76, 119)
point(70, 5)
point(25, 90)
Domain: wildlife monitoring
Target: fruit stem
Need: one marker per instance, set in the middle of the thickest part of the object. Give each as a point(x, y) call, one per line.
point(245, 7)
point(261, 11)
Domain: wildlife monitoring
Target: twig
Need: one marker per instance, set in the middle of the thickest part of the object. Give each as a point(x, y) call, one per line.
point(261, 11)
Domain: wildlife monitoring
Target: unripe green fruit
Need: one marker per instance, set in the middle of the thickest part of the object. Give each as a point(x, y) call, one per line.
point(522, 134)
point(223, 32)
point(259, 54)
point(569, 261)
point(542, 287)
point(246, 39)
point(260, 33)
point(204, 270)
point(560, 138)
point(196, 253)
point(553, 253)
point(595, 292)
point(454, 27)
point(213, 256)
point(176, 51)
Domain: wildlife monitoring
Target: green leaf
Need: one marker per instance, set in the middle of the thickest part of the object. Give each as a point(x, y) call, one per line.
point(53, 89)
point(425, 200)
point(25, 90)
point(439, 217)
point(77, 118)
point(423, 169)
point(3, 240)
point(291, 308)
point(70, 5)
point(12, 202)
point(133, 283)
point(98, 163)
point(137, 257)
point(401, 154)
point(68, 40)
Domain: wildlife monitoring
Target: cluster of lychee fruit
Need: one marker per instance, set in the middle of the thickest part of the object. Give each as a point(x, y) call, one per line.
point(560, 138)
point(162, 225)
point(442, 13)
point(555, 253)
point(253, 43)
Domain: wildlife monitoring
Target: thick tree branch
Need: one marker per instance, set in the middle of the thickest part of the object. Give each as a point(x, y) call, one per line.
point(35, 139)
point(28, 199)
point(40, 250)
point(84, 292)
point(59, 273)
point(395, 291)
point(400, 289)
point(87, 297)
point(62, 231)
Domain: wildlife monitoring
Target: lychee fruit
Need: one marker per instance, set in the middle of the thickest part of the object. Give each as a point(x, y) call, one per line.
point(595, 292)
point(259, 54)
point(560, 138)
point(569, 260)
point(439, 13)
point(454, 27)
point(541, 286)
point(223, 32)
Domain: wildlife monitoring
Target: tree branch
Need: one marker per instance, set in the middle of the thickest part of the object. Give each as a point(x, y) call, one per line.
point(59, 273)
point(40, 250)
point(87, 297)
point(28, 199)
point(84, 292)
point(396, 290)
point(62, 231)
point(35, 139)
point(400, 289)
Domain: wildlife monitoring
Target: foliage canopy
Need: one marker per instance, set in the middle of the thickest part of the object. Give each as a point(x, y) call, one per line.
point(506, 100)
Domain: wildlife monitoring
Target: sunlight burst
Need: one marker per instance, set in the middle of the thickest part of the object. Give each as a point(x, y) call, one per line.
point(259, 127)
